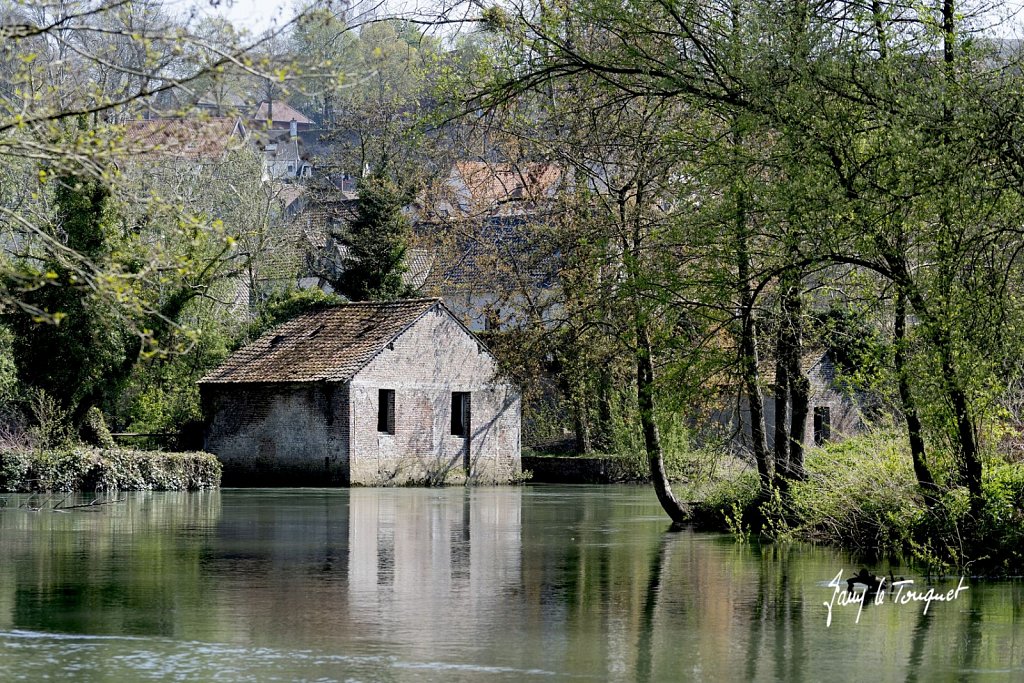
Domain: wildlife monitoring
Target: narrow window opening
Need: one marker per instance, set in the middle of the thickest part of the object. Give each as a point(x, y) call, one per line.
point(386, 411)
point(460, 413)
point(822, 425)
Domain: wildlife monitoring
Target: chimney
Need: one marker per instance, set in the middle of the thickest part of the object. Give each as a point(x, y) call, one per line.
point(294, 128)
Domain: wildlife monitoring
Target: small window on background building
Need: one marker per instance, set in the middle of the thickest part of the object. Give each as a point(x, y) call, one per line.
point(386, 411)
point(460, 413)
point(822, 425)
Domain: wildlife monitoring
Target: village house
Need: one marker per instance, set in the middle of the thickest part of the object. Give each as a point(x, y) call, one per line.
point(834, 411)
point(364, 393)
point(275, 114)
point(283, 157)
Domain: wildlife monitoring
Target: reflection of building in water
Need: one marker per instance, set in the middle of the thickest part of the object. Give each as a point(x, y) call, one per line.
point(413, 554)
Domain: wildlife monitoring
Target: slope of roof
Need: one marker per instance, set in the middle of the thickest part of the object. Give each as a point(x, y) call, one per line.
point(327, 345)
point(185, 138)
point(282, 111)
point(494, 183)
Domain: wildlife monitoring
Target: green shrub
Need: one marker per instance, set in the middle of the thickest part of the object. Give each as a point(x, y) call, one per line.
point(859, 493)
point(89, 469)
point(729, 504)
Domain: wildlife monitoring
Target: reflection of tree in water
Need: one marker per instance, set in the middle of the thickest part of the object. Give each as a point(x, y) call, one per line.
point(970, 628)
point(108, 570)
point(917, 646)
point(645, 648)
point(778, 604)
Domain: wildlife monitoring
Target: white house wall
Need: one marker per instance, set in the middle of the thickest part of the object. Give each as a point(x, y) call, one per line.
point(424, 365)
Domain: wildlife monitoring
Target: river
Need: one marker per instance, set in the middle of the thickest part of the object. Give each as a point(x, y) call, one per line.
point(459, 584)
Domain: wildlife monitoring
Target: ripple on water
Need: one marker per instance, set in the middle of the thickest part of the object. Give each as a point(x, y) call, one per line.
point(59, 656)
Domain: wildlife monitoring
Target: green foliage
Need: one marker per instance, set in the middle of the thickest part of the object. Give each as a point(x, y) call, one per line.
point(94, 429)
point(78, 349)
point(377, 240)
point(729, 503)
point(283, 305)
point(860, 493)
point(51, 422)
point(161, 396)
point(9, 384)
point(86, 469)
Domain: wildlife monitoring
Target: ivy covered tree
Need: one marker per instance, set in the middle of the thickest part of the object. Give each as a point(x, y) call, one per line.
point(86, 350)
point(376, 242)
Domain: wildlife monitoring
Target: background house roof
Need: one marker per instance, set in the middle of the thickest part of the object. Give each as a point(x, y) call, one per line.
point(331, 344)
point(282, 111)
point(192, 138)
point(492, 184)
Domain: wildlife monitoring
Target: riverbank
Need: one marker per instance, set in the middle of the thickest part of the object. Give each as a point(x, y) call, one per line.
point(117, 469)
point(861, 494)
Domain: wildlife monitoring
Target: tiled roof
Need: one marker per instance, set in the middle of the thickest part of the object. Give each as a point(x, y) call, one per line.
point(188, 138)
point(328, 345)
point(288, 194)
point(282, 111)
point(498, 253)
point(282, 151)
point(494, 183)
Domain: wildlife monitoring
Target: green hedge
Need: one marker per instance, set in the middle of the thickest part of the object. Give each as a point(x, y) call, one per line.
point(91, 469)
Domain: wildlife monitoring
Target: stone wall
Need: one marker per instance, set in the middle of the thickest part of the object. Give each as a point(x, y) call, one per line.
point(424, 365)
point(578, 469)
point(278, 434)
point(844, 411)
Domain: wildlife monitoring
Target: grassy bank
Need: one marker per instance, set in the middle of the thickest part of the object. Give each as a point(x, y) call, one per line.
point(861, 494)
point(91, 469)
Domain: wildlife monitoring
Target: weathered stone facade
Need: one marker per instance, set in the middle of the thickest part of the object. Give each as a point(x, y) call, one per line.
point(833, 411)
point(334, 430)
point(279, 434)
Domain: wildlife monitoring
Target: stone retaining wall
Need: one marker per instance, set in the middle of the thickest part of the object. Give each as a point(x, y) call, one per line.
point(581, 470)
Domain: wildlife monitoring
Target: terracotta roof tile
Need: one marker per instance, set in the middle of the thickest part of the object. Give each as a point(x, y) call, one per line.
point(328, 345)
point(190, 138)
point(496, 183)
point(282, 112)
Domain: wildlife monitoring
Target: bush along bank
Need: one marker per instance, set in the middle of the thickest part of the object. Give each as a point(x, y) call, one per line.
point(92, 469)
point(860, 494)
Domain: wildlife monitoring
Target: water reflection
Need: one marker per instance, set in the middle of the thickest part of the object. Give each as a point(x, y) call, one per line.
point(453, 584)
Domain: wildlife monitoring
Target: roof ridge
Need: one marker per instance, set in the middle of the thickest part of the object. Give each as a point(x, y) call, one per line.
point(417, 300)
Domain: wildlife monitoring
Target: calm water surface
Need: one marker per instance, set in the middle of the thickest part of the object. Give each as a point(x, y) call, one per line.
point(516, 584)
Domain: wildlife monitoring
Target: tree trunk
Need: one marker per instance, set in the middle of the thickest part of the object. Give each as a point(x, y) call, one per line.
point(748, 350)
point(780, 429)
point(925, 481)
point(799, 385)
point(581, 425)
point(969, 461)
point(677, 511)
point(605, 428)
point(968, 457)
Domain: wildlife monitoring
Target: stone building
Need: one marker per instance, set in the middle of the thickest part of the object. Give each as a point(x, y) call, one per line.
point(834, 410)
point(363, 393)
